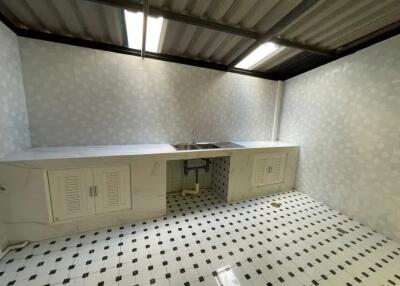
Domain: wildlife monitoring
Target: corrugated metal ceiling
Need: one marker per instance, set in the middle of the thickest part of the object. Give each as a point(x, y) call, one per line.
point(336, 23)
point(202, 43)
point(329, 24)
point(76, 18)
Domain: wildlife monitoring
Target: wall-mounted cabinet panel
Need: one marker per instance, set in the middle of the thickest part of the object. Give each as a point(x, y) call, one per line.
point(82, 192)
point(268, 169)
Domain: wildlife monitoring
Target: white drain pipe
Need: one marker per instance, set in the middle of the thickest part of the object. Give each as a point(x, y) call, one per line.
point(187, 169)
point(277, 111)
point(192, 192)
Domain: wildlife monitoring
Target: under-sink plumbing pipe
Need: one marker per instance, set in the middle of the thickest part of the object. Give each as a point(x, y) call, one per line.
point(196, 169)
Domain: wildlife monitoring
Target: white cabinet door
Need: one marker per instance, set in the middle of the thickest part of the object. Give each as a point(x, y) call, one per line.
point(259, 170)
point(268, 169)
point(70, 193)
point(112, 188)
point(276, 168)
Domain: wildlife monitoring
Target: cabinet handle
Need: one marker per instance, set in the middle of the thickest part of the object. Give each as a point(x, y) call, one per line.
point(95, 191)
point(91, 191)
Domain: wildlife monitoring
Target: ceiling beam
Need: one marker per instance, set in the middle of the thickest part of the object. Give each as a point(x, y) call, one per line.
point(273, 74)
point(124, 50)
point(155, 11)
point(173, 16)
point(306, 62)
point(311, 49)
point(144, 32)
point(382, 34)
point(275, 30)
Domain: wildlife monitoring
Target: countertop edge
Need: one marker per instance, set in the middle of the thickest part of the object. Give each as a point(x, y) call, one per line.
point(68, 153)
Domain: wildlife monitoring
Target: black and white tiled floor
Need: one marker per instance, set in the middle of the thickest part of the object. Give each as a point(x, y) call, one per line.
point(204, 241)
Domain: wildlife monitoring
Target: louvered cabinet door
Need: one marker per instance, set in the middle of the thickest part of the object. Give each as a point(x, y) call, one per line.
point(113, 188)
point(275, 168)
point(259, 173)
point(268, 169)
point(70, 193)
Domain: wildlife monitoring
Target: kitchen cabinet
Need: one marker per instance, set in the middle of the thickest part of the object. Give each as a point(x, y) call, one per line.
point(268, 169)
point(83, 192)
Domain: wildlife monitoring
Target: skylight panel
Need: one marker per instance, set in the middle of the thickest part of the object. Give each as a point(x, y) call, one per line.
point(154, 27)
point(134, 28)
point(257, 55)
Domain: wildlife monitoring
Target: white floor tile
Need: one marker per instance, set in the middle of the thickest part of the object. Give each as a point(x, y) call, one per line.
point(203, 240)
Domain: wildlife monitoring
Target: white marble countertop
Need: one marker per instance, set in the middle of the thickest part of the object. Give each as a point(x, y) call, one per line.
point(264, 144)
point(73, 152)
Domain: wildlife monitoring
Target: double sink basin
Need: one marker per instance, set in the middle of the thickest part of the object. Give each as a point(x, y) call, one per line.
point(203, 146)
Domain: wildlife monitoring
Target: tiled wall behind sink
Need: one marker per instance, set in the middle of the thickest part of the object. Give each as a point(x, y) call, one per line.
point(79, 96)
point(176, 179)
point(220, 176)
point(215, 179)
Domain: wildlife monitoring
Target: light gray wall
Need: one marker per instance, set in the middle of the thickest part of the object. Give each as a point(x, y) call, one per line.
point(79, 96)
point(346, 117)
point(14, 132)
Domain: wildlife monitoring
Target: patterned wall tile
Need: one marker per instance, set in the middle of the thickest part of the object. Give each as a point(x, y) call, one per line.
point(346, 117)
point(79, 96)
point(14, 131)
point(220, 176)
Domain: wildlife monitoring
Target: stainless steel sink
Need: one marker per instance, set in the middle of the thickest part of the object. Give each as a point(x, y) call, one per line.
point(207, 146)
point(185, 146)
point(202, 146)
point(228, 145)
